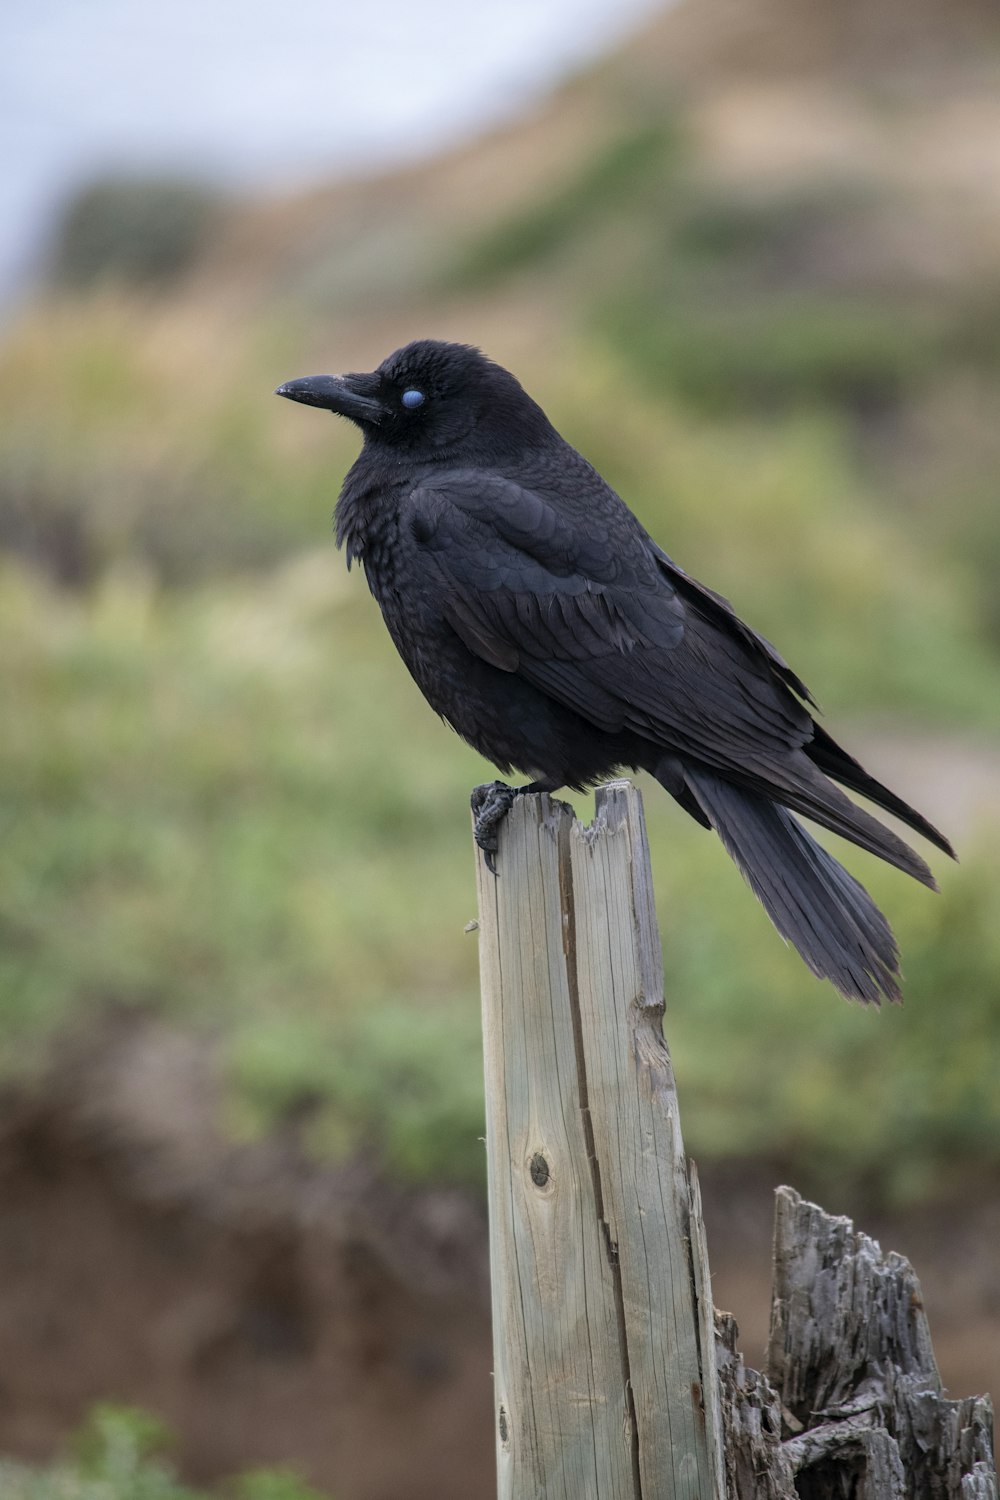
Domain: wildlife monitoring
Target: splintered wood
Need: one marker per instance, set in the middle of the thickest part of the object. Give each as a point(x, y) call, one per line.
point(613, 1377)
point(851, 1362)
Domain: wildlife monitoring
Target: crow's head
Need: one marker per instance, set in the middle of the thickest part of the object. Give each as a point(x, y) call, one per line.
point(430, 398)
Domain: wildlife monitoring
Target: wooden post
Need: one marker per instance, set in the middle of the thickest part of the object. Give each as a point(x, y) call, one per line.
point(614, 1378)
point(604, 1356)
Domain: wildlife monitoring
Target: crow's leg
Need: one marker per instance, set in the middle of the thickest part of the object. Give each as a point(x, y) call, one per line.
point(491, 803)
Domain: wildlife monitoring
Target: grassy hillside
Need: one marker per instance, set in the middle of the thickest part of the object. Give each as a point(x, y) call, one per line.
point(221, 795)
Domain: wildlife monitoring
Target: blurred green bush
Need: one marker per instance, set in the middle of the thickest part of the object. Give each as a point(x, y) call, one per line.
point(120, 1454)
point(139, 230)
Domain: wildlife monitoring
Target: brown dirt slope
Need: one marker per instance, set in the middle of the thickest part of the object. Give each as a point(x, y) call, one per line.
point(273, 1311)
point(270, 1311)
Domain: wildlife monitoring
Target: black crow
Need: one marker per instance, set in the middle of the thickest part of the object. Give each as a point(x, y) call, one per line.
point(540, 619)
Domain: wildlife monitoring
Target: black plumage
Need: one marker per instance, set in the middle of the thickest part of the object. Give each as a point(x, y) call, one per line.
point(546, 626)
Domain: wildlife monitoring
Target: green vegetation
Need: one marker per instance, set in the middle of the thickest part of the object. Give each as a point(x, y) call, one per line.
point(621, 176)
point(139, 230)
point(807, 352)
point(222, 798)
point(229, 803)
point(120, 1455)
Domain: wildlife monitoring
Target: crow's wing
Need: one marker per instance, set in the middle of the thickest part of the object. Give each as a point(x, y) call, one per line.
point(598, 617)
point(719, 610)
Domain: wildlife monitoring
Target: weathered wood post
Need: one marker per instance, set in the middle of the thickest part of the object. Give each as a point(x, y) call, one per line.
point(604, 1354)
point(614, 1378)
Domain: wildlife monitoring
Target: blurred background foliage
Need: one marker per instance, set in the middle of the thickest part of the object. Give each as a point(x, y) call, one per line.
point(749, 266)
point(221, 797)
point(122, 1453)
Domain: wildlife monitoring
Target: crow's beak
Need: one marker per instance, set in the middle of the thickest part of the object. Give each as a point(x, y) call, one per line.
point(353, 396)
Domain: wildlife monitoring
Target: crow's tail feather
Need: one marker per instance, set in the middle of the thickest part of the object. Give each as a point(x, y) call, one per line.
point(833, 759)
point(811, 899)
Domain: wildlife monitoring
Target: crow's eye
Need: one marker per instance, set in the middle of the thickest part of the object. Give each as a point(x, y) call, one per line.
point(412, 399)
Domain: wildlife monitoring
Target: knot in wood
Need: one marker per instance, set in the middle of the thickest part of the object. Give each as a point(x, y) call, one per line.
point(539, 1169)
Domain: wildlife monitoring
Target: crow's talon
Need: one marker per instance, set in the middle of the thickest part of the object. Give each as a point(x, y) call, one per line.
point(491, 803)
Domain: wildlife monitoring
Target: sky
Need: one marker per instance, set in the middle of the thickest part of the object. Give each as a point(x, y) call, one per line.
point(255, 94)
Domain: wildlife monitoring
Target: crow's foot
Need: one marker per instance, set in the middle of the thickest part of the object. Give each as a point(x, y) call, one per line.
point(491, 803)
